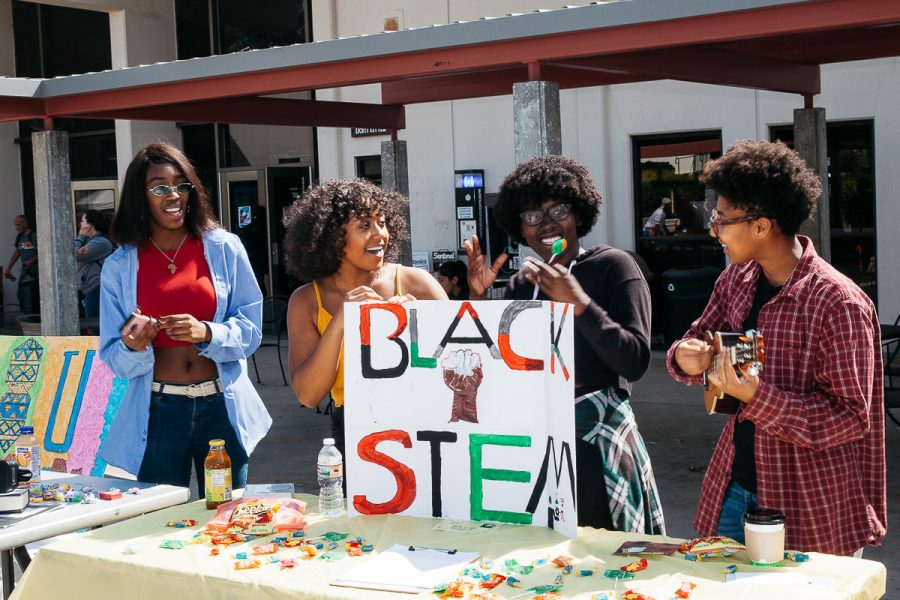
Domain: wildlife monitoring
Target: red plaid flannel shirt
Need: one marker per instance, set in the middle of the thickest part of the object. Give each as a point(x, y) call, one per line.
point(818, 411)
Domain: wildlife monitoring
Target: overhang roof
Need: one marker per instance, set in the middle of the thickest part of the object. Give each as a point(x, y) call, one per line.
point(773, 45)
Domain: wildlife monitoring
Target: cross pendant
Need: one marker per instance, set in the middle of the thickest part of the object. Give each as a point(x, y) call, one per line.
point(172, 268)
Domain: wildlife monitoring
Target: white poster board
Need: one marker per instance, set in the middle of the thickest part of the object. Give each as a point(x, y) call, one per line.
point(461, 410)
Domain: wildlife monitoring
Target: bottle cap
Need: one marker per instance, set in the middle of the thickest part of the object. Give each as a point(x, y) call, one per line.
point(764, 516)
point(26, 430)
point(213, 443)
point(328, 442)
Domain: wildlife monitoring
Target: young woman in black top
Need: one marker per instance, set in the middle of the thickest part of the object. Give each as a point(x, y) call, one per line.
point(543, 201)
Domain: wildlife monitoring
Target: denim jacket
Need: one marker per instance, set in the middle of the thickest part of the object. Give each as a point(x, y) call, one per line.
point(236, 334)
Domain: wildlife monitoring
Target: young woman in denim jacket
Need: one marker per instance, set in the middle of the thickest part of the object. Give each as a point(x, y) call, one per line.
point(186, 368)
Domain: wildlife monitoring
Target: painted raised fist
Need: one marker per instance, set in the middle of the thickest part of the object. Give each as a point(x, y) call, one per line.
point(463, 375)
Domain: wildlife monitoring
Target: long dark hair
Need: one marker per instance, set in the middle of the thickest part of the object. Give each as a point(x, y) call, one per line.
point(131, 223)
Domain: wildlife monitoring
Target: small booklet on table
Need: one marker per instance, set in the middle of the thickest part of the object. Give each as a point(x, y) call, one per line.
point(409, 569)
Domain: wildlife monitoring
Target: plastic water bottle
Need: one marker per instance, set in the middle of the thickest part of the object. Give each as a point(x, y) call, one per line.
point(331, 479)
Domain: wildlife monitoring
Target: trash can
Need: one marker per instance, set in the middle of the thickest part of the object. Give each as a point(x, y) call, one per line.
point(685, 291)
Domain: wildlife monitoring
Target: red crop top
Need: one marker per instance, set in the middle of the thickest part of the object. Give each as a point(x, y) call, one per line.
point(188, 290)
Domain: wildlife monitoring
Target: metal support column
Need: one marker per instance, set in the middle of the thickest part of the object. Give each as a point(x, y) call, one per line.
point(536, 120)
point(55, 233)
point(811, 142)
point(395, 177)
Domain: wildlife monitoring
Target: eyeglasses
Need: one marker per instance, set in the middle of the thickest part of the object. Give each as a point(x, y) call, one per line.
point(716, 221)
point(164, 190)
point(557, 212)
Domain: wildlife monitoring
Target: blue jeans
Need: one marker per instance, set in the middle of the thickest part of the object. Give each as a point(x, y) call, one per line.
point(735, 504)
point(178, 435)
point(92, 304)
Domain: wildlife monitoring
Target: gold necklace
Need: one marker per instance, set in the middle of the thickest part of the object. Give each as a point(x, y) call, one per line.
point(171, 266)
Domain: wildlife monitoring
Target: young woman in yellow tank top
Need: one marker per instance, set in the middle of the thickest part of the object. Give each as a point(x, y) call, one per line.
point(339, 236)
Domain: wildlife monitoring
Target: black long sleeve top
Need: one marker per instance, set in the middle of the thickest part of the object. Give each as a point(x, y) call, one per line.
point(612, 337)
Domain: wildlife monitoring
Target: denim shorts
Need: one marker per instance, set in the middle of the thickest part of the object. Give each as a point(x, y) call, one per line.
point(178, 435)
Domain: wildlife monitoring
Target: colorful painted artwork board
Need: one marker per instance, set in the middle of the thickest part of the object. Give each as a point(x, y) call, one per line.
point(60, 386)
point(461, 410)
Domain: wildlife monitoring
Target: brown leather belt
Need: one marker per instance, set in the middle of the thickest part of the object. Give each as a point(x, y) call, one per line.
point(191, 390)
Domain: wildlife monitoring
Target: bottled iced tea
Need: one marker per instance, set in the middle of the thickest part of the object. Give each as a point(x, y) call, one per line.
point(217, 474)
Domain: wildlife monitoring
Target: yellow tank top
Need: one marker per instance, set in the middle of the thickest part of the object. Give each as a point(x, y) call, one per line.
point(323, 318)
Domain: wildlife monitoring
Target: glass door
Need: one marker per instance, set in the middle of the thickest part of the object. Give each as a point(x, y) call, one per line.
point(244, 214)
point(283, 186)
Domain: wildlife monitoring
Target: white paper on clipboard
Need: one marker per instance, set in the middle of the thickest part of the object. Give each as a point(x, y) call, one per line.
point(408, 569)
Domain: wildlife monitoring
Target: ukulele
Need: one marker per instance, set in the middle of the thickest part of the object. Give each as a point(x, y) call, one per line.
point(745, 351)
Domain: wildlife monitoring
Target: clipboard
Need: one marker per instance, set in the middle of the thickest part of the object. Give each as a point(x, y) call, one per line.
point(407, 569)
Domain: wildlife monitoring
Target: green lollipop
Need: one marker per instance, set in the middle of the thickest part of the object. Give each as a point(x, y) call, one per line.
point(559, 246)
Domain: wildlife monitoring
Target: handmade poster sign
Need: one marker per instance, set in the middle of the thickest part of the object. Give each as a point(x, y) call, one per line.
point(60, 386)
point(461, 410)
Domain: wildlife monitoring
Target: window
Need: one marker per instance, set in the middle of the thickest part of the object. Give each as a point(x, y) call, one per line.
point(207, 27)
point(369, 167)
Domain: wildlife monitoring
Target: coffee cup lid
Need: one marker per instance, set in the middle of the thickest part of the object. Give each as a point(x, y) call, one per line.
point(764, 516)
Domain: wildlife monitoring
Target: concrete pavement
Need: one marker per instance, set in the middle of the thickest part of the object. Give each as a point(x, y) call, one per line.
point(679, 435)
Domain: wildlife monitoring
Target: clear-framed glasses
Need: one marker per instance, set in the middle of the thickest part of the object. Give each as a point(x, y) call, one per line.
point(164, 190)
point(716, 221)
point(557, 212)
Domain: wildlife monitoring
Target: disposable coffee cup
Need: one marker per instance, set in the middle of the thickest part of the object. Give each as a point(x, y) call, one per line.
point(764, 535)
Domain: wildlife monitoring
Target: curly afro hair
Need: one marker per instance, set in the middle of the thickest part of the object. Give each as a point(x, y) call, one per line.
point(316, 222)
point(766, 178)
point(544, 178)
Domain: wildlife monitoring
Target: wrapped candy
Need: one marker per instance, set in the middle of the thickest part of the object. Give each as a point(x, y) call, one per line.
point(265, 549)
point(617, 574)
point(252, 563)
point(634, 567)
point(181, 523)
point(684, 591)
point(493, 581)
point(562, 561)
point(711, 546)
point(796, 556)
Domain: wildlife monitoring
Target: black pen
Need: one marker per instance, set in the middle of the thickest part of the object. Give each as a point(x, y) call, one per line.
point(447, 550)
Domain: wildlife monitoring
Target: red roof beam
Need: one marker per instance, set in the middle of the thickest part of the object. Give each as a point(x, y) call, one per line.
point(14, 108)
point(495, 83)
point(265, 111)
point(715, 66)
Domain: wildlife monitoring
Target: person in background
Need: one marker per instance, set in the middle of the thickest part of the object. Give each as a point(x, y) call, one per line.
point(187, 366)
point(92, 246)
point(656, 223)
point(26, 248)
point(808, 439)
point(543, 201)
point(340, 236)
point(452, 277)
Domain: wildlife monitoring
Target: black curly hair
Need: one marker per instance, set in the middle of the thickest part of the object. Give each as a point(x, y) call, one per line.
point(766, 178)
point(316, 222)
point(544, 178)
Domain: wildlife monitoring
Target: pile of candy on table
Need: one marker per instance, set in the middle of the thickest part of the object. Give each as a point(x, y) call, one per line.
point(82, 494)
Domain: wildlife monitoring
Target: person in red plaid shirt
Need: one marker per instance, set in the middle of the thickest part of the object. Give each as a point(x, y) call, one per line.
point(808, 439)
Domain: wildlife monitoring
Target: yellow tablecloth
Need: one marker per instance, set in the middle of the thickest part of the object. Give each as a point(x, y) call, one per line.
point(93, 564)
